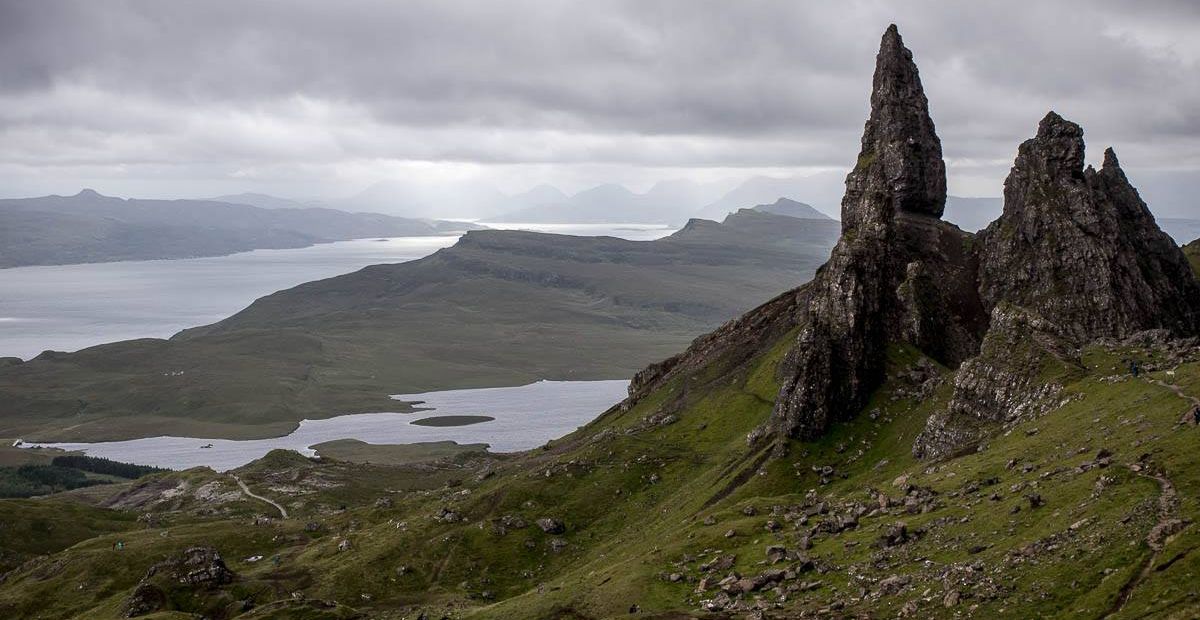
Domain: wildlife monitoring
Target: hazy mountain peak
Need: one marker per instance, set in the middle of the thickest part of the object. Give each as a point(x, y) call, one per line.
point(541, 194)
point(792, 208)
point(606, 189)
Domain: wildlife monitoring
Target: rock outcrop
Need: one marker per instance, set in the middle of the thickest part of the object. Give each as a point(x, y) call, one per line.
point(1079, 245)
point(1075, 257)
point(194, 571)
point(898, 273)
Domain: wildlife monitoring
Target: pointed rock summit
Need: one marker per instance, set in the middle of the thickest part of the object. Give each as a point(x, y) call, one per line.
point(1075, 257)
point(898, 274)
point(901, 156)
point(1080, 247)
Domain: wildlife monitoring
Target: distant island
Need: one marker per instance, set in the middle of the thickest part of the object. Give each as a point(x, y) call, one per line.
point(91, 228)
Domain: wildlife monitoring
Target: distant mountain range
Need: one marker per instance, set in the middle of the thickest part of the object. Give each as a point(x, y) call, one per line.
point(667, 202)
point(670, 202)
point(89, 227)
point(266, 201)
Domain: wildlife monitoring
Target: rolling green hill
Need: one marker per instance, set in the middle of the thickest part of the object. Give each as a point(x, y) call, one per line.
point(660, 503)
point(498, 308)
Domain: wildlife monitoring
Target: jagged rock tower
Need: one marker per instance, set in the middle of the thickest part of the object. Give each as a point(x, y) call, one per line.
point(1075, 257)
point(1080, 247)
point(898, 273)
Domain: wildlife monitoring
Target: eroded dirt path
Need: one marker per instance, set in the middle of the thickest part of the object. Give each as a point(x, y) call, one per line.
point(245, 489)
point(1177, 390)
point(1167, 526)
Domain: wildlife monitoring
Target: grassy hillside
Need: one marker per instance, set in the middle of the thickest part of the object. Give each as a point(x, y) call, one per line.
point(660, 509)
point(498, 308)
point(1192, 251)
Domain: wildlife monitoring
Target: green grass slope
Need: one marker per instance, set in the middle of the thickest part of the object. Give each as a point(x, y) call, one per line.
point(1192, 251)
point(660, 510)
point(498, 308)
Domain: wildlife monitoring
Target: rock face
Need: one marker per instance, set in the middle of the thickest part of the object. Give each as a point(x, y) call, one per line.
point(1075, 257)
point(1080, 246)
point(898, 273)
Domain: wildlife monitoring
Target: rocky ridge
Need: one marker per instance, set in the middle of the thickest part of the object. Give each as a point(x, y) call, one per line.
point(1075, 257)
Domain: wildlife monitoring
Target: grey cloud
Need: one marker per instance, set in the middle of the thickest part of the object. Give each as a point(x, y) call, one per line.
point(639, 83)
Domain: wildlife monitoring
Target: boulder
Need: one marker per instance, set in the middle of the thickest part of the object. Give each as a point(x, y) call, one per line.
point(551, 526)
point(147, 598)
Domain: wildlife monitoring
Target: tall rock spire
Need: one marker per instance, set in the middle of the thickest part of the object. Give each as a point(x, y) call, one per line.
point(901, 156)
point(898, 274)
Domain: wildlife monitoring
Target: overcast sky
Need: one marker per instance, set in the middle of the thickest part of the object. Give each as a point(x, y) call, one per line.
point(319, 99)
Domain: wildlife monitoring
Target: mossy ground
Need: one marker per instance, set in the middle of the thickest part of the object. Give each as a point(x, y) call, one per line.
point(652, 491)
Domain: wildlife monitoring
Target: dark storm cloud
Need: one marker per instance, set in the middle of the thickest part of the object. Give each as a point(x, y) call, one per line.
point(238, 87)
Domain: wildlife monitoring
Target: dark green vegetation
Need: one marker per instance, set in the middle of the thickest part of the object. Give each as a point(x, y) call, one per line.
point(453, 420)
point(771, 470)
point(108, 467)
point(498, 308)
point(90, 228)
point(1192, 251)
point(31, 480)
point(32, 476)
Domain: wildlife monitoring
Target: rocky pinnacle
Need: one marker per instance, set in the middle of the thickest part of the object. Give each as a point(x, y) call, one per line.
point(900, 166)
point(898, 273)
point(1075, 257)
point(1079, 247)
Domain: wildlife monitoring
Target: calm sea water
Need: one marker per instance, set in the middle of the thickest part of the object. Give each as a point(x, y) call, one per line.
point(70, 307)
point(525, 417)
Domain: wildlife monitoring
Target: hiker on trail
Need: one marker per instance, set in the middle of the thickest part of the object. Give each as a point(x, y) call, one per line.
point(1133, 368)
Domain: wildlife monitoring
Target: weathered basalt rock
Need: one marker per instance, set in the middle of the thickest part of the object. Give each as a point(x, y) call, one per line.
point(1001, 384)
point(1076, 257)
point(1080, 246)
point(898, 273)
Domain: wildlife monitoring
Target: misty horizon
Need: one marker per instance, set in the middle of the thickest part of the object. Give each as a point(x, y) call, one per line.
point(163, 101)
